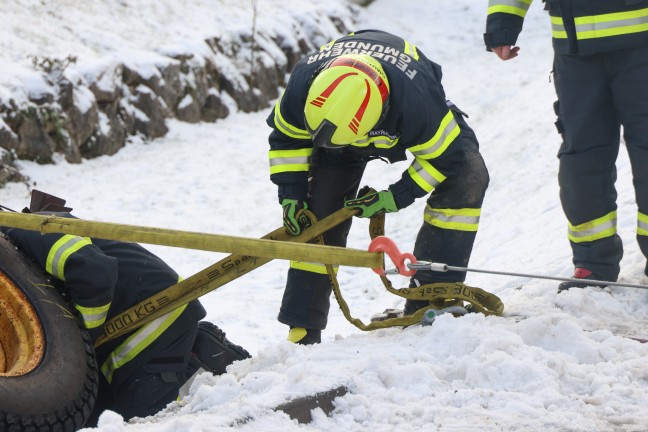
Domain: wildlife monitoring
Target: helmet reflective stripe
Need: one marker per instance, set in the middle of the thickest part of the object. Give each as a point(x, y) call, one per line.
point(355, 122)
point(346, 99)
point(321, 99)
point(60, 251)
point(593, 230)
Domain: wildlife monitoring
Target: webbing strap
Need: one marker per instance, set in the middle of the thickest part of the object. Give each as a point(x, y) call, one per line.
point(440, 295)
point(207, 280)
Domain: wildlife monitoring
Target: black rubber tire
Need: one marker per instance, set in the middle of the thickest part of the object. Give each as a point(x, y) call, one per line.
point(59, 393)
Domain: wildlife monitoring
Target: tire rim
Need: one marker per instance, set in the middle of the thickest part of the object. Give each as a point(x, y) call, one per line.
point(22, 343)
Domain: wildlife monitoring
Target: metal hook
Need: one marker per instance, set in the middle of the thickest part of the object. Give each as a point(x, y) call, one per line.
point(387, 245)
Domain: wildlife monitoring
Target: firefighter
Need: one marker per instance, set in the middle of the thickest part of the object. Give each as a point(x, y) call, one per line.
point(600, 69)
point(371, 95)
point(142, 371)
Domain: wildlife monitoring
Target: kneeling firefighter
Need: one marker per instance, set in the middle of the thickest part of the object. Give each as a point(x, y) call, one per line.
point(371, 95)
point(142, 371)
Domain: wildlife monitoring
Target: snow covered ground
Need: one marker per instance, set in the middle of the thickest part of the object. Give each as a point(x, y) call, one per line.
point(559, 369)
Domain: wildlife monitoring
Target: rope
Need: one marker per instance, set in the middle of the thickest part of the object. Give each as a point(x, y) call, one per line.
point(440, 267)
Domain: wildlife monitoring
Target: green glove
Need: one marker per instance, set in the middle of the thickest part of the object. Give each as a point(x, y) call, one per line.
point(293, 220)
point(373, 203)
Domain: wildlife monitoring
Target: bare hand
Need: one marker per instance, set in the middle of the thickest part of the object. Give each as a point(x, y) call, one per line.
point(506, 52)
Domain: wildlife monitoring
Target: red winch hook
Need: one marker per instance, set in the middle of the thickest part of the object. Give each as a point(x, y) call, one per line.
point(387, 245)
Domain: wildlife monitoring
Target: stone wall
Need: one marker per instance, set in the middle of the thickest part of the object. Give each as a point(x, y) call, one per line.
point(82, 111)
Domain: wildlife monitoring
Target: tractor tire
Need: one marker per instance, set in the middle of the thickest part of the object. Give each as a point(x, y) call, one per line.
point(48, 370)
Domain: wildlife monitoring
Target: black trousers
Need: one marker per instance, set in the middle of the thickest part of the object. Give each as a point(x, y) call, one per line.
point(152, 379)
point(334, 179)
point(597, 95)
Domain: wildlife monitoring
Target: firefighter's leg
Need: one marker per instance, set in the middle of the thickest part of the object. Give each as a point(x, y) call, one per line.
point(590, 129)
point(451, 217)
point(155, 384)
point(306, 300)
point(630, 91)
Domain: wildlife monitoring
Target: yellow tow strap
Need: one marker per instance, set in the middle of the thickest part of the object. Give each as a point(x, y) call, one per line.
point(247, 255)
point(440, 295)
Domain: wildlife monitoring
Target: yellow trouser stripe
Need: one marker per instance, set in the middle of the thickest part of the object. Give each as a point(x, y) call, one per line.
point(596, 229)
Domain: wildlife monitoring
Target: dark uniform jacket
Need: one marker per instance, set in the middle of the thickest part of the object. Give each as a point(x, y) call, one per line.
point(105, 277)
point(418, 119)
point(580, 27)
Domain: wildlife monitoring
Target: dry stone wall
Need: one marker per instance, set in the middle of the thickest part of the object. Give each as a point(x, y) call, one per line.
point(84, 111)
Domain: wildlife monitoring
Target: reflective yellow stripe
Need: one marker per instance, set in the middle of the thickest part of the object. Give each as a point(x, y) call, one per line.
point(138, 341)
point(642, 224)
point(61, 251)
point(513, 7)
point(93, 316)
point(425, 175)
point(311, 267)
point(558, 28)
point(612, 24)
point(593, 230)
point(466, 219)
point(329, 45)
point(289, 160)
point(410, 50)
point(447, 132)
point(605, 25)
point(285, 127)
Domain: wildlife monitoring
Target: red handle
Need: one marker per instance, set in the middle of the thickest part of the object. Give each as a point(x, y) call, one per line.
point(387, 245)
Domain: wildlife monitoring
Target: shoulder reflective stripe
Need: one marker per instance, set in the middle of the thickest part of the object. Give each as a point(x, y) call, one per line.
point(513, 7)
point(466, 219)
point(410, 50)
point(593, 230)
point(138, 341)
point(447, 132)
point(60, 251)
point(329, 45)
point(93, 317)
point(612, 24)
point(289, 160)
point(642, 224)
point(425, 175)
point(311, 267)
point(285, 127)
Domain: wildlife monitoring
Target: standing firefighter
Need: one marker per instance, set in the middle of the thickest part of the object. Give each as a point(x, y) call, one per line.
point(371, 95)
point(600, 75)
point(142, 371)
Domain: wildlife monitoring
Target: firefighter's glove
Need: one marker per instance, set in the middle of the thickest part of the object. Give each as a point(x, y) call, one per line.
point(294, 220)
point(372, 204)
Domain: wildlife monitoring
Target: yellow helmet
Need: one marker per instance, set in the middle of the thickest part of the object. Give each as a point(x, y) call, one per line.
point(348, 96)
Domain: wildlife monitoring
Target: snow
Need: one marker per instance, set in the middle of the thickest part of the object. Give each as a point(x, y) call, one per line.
point(550, 364)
